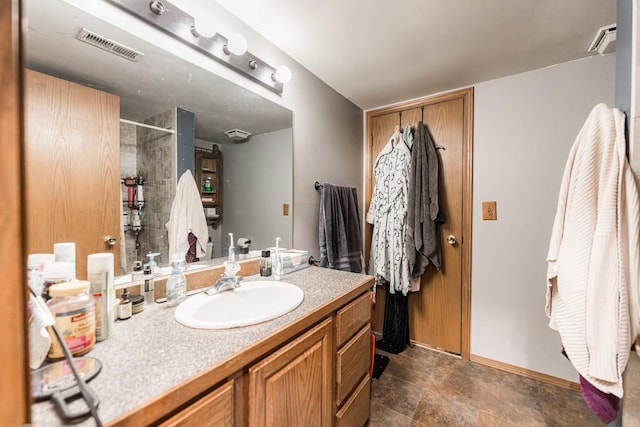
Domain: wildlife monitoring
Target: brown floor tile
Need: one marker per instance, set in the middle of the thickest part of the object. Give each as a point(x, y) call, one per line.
point(381, 416)
point(435, 411)
point(396, 394)
point(424, 388)
point(485, 419)
point(562, 407)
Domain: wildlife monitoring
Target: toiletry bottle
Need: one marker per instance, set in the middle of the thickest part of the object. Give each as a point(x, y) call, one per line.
point(137, 274)
point(232, 249)
point(148, 286)
point(176, 284)
point(277, 267)
point(124, 309)
point(265, 264)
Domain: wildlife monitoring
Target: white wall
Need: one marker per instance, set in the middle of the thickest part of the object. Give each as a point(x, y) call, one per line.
point(261, 185)
point(524, 127)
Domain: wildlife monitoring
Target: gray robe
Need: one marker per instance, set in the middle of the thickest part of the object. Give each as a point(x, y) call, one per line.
point(422, 244)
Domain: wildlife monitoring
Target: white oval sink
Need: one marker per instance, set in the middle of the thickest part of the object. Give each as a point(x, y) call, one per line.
point(253, 302)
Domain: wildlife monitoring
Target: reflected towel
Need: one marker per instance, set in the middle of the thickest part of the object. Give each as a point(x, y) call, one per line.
point(187, 216)
point(339, 229)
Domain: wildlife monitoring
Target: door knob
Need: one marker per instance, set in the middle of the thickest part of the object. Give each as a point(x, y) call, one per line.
point(110, 241)
point(451, 240)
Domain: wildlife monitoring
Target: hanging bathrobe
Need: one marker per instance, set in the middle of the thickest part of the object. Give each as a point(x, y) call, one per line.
point(187, 217)
point(424, 213)
point(388, 214)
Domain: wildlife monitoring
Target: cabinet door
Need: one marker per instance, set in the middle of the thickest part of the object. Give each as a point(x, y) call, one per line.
point(294, 386)
point(213, 410)
point(72, 159)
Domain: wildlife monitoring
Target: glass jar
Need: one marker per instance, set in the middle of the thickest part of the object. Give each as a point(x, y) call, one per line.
point(56, 272)
point(74, 311)
point(265, 264)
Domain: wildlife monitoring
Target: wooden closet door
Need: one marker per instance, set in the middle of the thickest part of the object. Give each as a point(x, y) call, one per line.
point(72, 159)
point(439, 312)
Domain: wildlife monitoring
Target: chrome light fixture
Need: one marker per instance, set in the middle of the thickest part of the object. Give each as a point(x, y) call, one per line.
point(199, 34)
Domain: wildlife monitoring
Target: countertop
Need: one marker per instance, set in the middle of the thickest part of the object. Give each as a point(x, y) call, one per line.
point(150, 354)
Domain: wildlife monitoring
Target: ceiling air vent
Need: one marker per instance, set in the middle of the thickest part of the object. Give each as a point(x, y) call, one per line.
point(109, 45)
point(605, 40)
point(238, 134)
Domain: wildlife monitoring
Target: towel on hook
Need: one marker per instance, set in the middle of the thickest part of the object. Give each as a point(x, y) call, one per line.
point(339, 230)
point(187, 216)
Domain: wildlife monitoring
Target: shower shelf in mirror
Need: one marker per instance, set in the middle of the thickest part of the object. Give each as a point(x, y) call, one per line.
point(207, 174)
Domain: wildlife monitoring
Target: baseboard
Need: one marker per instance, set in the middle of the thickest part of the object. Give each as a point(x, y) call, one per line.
point(549, 379)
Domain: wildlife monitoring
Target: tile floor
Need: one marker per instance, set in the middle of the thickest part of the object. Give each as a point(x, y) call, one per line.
point(421, 387)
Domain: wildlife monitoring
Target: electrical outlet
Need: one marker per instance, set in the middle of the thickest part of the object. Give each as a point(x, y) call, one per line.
point(489, 211)
point(285, 209)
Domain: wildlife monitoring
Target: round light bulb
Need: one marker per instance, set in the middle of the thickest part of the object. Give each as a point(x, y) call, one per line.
point(237, 44)
point(205, 27)
point(282, 74)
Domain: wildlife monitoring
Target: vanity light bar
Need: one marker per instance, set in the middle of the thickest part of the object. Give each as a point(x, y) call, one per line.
point(175, 22)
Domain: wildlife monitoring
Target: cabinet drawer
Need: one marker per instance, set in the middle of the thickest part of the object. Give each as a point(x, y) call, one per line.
point(352, 317)
point(352, 362)
point(355, 411)
point(215, 409)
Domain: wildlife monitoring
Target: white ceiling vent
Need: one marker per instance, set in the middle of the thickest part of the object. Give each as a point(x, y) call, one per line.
point(109, 45)
point(238, 134)
point(605, 40)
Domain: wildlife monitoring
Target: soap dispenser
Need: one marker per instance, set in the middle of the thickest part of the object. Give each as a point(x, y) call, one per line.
point(177, 283)
point(152, 262)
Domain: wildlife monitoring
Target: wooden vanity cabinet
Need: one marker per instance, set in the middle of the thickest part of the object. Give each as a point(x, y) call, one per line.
point(216, 409)
point(353, 359)
point(294, 385)
point(318, 377)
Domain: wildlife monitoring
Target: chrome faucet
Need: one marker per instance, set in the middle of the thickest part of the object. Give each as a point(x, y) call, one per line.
point(228, 280)
point(224, 284)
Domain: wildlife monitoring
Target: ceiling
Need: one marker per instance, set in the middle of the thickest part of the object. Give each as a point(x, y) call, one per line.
point(154, 85)
point(378, 52)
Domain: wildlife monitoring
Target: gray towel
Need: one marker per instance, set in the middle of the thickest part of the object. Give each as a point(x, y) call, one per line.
point(339, 230)
point(423, 213)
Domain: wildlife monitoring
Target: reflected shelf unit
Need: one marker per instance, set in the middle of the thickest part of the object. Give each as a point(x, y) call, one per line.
point(208, 164)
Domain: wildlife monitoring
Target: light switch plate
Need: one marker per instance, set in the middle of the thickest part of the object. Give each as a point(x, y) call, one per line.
point(489, 211)
point(285, 209)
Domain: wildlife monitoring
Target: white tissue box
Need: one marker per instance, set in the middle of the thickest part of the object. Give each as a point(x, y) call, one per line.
point(292, 260)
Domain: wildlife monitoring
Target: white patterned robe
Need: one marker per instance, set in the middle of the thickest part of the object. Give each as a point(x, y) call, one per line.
point(388, 214)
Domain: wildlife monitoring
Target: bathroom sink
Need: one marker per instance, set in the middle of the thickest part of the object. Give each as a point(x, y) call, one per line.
point(250, 303)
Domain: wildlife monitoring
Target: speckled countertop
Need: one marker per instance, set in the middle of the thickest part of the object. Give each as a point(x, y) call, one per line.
point(151, 353)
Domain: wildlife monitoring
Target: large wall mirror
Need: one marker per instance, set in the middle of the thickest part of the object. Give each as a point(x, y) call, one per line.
point(256, 177)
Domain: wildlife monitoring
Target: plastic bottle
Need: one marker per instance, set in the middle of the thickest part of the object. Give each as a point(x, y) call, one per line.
point(100, 269)
point(176, 284)
point(265, 264)
point(148, 286)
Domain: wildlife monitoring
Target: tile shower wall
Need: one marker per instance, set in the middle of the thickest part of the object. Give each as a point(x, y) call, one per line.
point(156, 159)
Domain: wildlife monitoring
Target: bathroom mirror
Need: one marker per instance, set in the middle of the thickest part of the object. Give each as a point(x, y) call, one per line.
point(256, 175)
